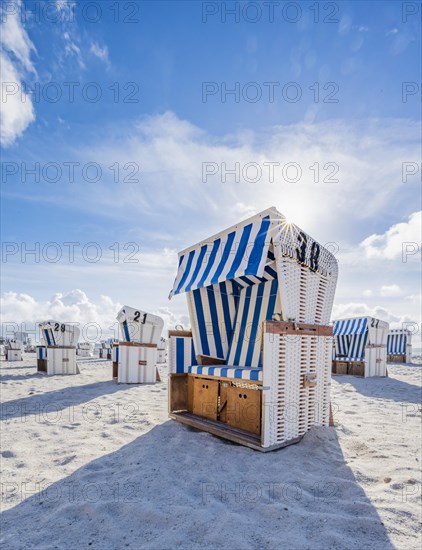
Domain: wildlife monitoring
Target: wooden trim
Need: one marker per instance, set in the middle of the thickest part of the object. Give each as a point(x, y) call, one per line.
point(137, 345)
point(184, 333)
point(206, 360)
point(297, 329)
point(228, 432)
point(225, 379)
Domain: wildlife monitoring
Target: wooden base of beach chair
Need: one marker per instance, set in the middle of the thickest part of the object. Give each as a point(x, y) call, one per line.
point(115, 369)
point(227, 432)
point(355, 368)
point(396, 358)
point(230, 403)
point(42, 365)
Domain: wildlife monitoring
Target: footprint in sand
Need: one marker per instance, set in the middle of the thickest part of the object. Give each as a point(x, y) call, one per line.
point(7, 454)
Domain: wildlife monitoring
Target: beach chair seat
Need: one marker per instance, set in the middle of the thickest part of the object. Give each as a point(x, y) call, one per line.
point(227, 371)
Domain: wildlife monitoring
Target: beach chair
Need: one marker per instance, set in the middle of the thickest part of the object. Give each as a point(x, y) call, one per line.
point(61, 340)
point(137, 350)
point(360, 347)
point(41, 359)
point(256, 366)
point(13, 348)
point(399, 346)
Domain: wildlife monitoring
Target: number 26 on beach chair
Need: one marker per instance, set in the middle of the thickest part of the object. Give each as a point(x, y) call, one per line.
point(256, 366)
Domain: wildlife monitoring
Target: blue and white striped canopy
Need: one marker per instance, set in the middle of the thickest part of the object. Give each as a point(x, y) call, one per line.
point(350, 326)
point(350, 338)
point(397, 343)
point(239, 252)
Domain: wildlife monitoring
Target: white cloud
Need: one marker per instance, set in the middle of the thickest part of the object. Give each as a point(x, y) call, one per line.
point(353, 309)
point(391, 290)
point(73, 50)
point(392, 32)
point(17, 108)
point(100, 52)
point(22, 312)
point(15, 62)
point(401, 241)
point(367, 293)
point(14, 37)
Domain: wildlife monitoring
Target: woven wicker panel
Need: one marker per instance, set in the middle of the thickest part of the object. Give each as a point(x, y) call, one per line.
point(291, 408)
point(306, 296)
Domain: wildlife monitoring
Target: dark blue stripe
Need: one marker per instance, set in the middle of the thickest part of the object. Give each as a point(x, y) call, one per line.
point(226, 312)
point(197, 267)
point(240, 251)
point(201, 322)
point(270, 255)
point(239, 343)
point(258, 247)
point(214, 321)
point(193, 355)
point(255, 323)
point(247, 281)
point(238, 373)
point(47, 337)
point(187, 270)
point(272, 300)
point(180, 355)
point(224, 258)
point(223, 372)
point(272, 272)
point(126, 331)
point(270, 309)
point(254, 375)
point(211, 261)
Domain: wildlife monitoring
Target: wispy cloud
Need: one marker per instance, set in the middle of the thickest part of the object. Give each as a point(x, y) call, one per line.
point(15, 62)
point(101, 52)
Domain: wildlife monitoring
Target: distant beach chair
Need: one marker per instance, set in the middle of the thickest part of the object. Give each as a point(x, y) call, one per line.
point(399, 346)
point(137, 350)
point(13, 349)
point(360, 346)
point(256, 366)
point(61, 340)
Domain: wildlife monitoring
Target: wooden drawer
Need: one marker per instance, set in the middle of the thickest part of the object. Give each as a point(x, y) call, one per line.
point(241, 408)
point(203, 397)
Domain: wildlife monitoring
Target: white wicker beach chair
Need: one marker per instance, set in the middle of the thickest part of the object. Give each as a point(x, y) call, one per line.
point(360, 347)
point(137, 350)
point(61, 340)
point(259, 296)
point(399, 346)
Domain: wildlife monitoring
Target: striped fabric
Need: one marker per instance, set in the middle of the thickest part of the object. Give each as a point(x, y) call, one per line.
point(185, 354)
point(238, 252)
point(350, 326)
point(257, 303)
point(352, 346)
point(49, 337)
point(350, 338)
point(228, 372)
point(212, 311)
point(41, 352)
point(397, 343)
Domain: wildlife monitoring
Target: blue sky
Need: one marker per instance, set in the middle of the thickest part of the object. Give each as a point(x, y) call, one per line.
point(337, 101)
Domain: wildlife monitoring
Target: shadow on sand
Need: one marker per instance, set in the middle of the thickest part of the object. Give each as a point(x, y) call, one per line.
point(58, 400)
point(174, 487)
point(383, 388)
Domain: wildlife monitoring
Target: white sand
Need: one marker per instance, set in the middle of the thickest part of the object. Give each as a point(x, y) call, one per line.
point(88, 463)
